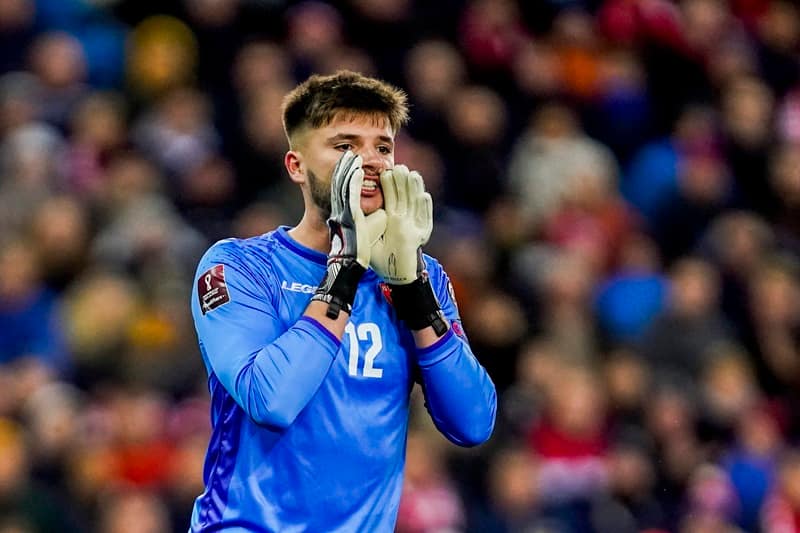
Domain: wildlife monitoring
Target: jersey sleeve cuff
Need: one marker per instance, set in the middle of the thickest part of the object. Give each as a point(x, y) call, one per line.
point(314, 328)
point(439, 350)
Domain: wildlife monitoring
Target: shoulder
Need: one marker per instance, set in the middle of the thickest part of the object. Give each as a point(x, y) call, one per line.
point(245, 261)
point(442, 286)
point(242, 266)
point(240, 253)
point(434, 267)
point(224, 251)
point(439, 279)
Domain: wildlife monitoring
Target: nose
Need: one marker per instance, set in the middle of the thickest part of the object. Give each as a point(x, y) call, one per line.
point(373, 161)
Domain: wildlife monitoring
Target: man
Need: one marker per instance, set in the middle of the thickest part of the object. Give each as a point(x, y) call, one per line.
point(313, 336)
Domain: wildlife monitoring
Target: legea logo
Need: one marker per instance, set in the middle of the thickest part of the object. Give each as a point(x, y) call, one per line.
point(297, 287)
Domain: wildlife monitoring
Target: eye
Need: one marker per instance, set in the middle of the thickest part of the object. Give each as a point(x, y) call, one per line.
point(385, 150)
point(343, 147)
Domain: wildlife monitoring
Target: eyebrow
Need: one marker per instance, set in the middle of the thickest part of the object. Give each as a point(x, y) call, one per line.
point(353, 137)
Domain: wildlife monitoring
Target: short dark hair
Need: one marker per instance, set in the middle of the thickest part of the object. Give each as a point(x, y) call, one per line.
point(318, 100)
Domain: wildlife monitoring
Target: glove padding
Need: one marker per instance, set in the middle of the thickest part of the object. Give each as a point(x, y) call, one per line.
point(397, 255)
point(352, 233)
point(352, 236)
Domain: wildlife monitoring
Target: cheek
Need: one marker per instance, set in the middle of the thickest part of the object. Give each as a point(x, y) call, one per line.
point(318, 168)
point(321, 161)
point(321, 170)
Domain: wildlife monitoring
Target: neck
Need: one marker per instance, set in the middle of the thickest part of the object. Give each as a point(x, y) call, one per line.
point(312, 232)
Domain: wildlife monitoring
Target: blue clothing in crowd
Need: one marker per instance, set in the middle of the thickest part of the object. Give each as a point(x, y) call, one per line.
point(32, 328)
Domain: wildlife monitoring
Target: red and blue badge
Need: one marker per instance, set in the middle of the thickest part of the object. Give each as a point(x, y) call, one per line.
point(386, 291)
point(212, 289)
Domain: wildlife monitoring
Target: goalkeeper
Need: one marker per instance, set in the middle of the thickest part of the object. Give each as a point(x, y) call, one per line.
point(313, 336)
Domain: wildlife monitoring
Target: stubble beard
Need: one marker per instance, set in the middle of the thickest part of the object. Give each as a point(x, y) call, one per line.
point(320, 194)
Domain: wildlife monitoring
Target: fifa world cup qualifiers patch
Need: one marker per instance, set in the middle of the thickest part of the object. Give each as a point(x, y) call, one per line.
point(212, 290)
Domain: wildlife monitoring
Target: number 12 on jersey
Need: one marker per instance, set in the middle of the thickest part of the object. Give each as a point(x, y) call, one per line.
point(367, 331)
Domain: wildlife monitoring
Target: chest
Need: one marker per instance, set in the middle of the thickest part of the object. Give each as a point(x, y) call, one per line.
point(374, 359)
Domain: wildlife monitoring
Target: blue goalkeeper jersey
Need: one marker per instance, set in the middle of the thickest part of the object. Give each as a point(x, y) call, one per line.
point(309, 432)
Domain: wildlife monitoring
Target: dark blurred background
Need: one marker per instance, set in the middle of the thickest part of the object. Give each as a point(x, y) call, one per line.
point(617, 197)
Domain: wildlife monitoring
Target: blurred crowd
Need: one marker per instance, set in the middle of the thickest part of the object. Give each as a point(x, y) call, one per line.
point(617, 198)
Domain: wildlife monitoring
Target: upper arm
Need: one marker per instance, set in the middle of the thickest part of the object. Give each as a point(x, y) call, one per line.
point(234, 313)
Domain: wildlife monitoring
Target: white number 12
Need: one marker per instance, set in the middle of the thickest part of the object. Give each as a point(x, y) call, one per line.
point(367, 331)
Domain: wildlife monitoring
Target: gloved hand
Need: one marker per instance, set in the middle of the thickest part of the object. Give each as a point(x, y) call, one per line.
point(397, 255)
point(352, 236)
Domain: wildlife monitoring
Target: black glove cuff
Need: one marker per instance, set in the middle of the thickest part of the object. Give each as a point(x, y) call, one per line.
point(338, 287)
point(417, 306)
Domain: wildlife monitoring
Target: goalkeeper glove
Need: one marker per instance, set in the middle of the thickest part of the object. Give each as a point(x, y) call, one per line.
point(397, 255)
point(352, 235)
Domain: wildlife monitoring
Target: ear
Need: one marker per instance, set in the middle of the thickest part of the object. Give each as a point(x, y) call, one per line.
point(293, 161)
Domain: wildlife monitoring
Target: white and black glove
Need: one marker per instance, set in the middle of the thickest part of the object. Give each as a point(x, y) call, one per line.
point(352, 236)
point(397, 255)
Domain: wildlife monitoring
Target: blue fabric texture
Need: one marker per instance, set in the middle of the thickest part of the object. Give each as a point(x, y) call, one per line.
point(309, 433)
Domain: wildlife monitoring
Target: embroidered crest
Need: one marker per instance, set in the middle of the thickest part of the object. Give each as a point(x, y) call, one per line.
point(457, 329)
point(386, 291)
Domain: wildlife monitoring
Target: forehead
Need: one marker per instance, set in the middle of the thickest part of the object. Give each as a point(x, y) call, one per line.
point(363, 124)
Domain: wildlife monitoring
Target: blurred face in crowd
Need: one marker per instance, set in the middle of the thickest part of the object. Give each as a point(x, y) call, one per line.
point(513, 478)
point(58, 59)
point(694, 287)
point(20, 271)
point(774, 295)
point(785, 174)
point(13, 457)
point(789, 479)
point(626, 380)
point(434, 69)
point(577, 402)
point(318, 150)
point(631, 471)
point(728, 385)
point(134, 512)
point(476, 116)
